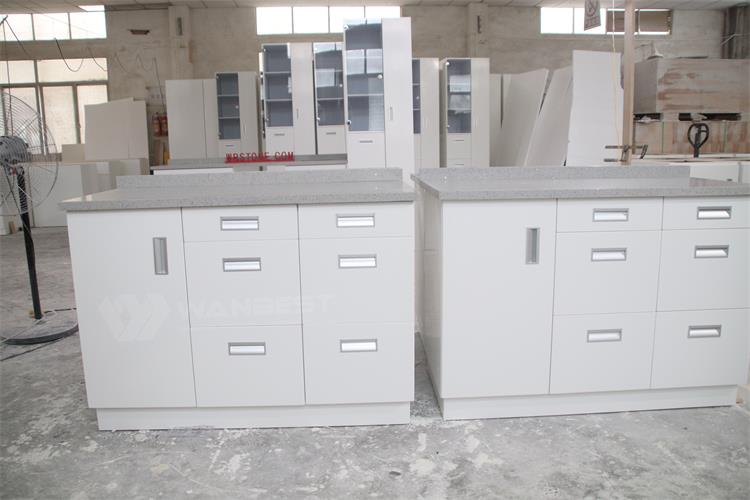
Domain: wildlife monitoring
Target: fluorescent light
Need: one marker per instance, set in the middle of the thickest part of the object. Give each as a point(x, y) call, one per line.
point(92, 8)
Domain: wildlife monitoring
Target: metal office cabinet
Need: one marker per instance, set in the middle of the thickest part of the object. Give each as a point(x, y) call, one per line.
point(288, 106)
point(329, 98)
point(132, 308)
point(498, 261)
point(426, 104)
point(236, 112)
point(377, 84)
point(465, 119)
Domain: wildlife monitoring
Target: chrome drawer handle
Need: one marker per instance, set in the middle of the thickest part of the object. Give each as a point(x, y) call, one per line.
point(609, 254)
point(532, 245)
point(247, 348)
point(279, 134)
point(704, 332)
point(357, 261)
point(161, 264)
point(331, 133)
point(366, 141)
point(614, 335)
point(611, 214)
point(355, 220)
point(714, 213)
point(712, 252)
point(241, 264)
point(369, 345)
point(240, 223)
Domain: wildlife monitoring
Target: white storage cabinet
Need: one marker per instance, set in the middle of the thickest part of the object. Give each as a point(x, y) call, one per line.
point(426, 102)
point(330, 121)
point(237, 112)
point(378, 81)
point(464, 112)
point(288, 98)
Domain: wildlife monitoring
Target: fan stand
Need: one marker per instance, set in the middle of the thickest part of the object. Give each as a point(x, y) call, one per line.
point(46, 327)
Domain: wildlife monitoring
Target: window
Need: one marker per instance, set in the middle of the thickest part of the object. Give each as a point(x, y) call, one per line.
point(569, 21)
point(60, 26)
point(59, 90)
point(300, 20)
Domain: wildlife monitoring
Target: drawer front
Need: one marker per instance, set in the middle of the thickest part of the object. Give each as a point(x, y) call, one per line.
point(706, 213)
point(242, 283)
point(331, 140)
point(240, 223)
point(611, 272)
point(356, 220)
point(365, 149)
point(455, 162)
point(602, 352)
point(700, 348)
point(371, 363)
point(458, 146)
point(705, 269)
point(627, 214)
point(248, 366)
point(357, 280)
point(279, 140)
point(229, 147)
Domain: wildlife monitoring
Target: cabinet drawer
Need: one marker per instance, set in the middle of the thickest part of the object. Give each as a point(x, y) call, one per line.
point(706, 213)
point(239, 283)
point(603, 352)
point(356, 220)
point(611, 272)
point(279, 140)
point(239, 224)
point(458, 146)
point(248, 366)
point(365, 149)
point(455, 162)
point(627, 214)
point(704, 269)
point(371, 363)
point(331, 140)
point(229, 147)
point(357, 280)
point(699, 348)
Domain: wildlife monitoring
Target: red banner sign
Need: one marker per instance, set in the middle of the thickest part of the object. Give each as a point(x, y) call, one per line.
point(282, 156)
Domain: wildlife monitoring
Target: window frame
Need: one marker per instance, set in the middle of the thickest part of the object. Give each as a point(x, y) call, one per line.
point(9, 36)
point(607, 12)
point(328, 31)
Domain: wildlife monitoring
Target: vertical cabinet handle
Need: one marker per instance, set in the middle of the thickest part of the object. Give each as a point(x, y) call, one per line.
point(241, 264)
point(391, 112)
point(714, 213)
point(240, 223)
point(161, 264)
point(712, 252)
point(357, 261)
point(614, 335)
point(247, 348)
point(704, 331)
point(608, 254)
point(611, 215)
point(532, 245)
point(369, 345)
point(355, 220)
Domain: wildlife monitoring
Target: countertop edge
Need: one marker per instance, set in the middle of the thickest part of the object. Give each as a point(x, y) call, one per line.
point(594, 193)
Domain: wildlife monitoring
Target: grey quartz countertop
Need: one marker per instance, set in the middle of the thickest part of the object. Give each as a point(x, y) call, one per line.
point(514, 183)
point(248, 188)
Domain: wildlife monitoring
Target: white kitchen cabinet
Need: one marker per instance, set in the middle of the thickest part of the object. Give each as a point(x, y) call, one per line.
point(426, 104)
point(329, 98)
point(187, 123)
point(132, 308)
point(377, 86)
point(464, 112)
point(288, 98)
point(498, 263)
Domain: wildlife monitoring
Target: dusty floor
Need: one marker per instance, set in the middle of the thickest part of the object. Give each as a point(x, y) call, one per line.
point(50, 447)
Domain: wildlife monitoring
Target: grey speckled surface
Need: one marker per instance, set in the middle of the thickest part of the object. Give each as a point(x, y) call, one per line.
point(248, 188)
point(511, 183)
point(187, 164)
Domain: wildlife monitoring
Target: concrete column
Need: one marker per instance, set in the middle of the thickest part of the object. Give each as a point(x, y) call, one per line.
point(180, 37)
point(477, 18)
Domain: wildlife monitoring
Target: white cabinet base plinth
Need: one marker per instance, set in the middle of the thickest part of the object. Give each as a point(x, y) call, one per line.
point(259, 417)
point(599, 402)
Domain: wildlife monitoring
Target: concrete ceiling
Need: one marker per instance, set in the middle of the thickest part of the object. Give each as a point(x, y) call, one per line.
point(16, 6)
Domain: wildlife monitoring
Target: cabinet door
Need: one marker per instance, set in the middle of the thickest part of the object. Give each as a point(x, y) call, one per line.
point(498, 264)
point(302, 98)
point(185, 107)
point(429, 113)
point(248, 110)
point(480, 102)
point(399, 117)
point(129, 277)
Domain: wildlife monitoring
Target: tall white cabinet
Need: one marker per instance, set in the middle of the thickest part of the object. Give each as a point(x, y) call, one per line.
point(426, 105)
point(288, 98)
point(379, 113)
point(212, 117)
point(329, 98)
point(465, 118)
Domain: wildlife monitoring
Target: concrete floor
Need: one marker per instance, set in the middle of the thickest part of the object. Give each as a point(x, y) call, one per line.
point(50, 447)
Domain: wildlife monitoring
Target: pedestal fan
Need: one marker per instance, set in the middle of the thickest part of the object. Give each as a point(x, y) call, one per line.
point(28, 160)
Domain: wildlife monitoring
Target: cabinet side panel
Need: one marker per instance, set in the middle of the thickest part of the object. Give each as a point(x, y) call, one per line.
point(430, 282)
point(211, 117)
point(480, 101)
point(430, 111)
point(248, 110)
